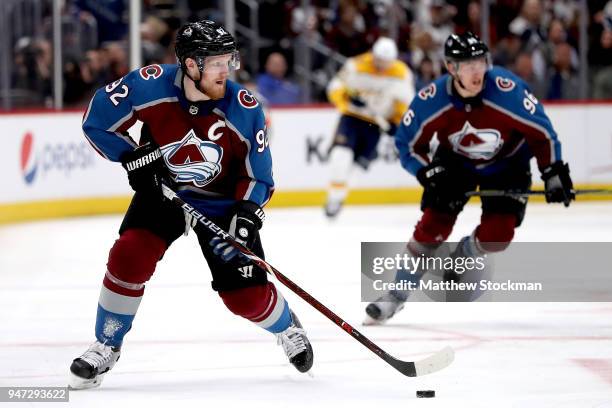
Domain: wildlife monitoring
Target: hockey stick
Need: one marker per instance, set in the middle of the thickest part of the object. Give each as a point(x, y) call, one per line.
point(510, 193)
point(380, 121)
point(430, 364)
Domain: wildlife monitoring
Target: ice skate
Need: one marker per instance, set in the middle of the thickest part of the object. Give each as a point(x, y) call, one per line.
point(332, 208)
point(382, 309)
point(88, 370)
point(296, 345)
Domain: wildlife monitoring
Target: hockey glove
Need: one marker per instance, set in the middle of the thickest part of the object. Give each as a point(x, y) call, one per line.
point(391, 129)
point(434, 177)
point(247, 220)
point(443, 186)
point(558, 183)
point(355, 100)
point(145, 168)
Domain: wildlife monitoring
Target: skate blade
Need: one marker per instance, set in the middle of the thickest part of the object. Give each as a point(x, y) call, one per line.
point(78, 383)
point(331, 218)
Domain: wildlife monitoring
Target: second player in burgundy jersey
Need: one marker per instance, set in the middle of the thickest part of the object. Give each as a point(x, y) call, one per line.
point(476, 127)
point(504, 122)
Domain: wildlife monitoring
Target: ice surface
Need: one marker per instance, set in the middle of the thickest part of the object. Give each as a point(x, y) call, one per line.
point(185, 348)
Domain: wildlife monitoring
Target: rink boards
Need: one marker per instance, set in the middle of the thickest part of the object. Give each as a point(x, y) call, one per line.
point(50, 170)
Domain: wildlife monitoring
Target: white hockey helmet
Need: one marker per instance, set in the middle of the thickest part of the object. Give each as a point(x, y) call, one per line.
point(385, 49)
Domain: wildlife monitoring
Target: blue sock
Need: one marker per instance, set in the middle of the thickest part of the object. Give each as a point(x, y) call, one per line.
point(116, 313)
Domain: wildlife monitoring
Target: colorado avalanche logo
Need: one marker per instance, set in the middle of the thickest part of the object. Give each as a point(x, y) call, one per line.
point(428, 92)
point(504, 84)
point(151, 71)
point(193, 160)
point(475, 143)
point(29, 165)
point(246, 99)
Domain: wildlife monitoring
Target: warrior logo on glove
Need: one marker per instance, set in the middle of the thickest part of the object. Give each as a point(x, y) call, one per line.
point(193, 160)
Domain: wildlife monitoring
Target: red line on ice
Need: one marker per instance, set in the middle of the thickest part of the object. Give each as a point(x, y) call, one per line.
point(599, 366)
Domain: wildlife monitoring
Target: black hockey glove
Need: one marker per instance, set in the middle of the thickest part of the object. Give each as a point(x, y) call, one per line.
point(435, 177)
point(145, 168)
point(558, 183)
point(247, 220)
point(444, 189)
point(392, 129)
point(355, 100)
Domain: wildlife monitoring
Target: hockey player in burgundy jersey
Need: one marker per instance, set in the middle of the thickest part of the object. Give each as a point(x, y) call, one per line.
point(487, 126)
point(206, 136)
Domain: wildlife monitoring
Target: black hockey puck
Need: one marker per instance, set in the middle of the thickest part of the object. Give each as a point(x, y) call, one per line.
point(426, 394)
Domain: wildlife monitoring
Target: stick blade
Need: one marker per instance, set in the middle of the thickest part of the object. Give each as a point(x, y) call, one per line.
point(435, 362)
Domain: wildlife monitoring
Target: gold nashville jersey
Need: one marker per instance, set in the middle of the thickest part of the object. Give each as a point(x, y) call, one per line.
point(386, 94)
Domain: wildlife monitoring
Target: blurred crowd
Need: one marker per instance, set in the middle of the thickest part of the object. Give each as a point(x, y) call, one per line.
point(537, 39)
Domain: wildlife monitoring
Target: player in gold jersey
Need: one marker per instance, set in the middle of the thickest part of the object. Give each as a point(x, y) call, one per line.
point(372, 91)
